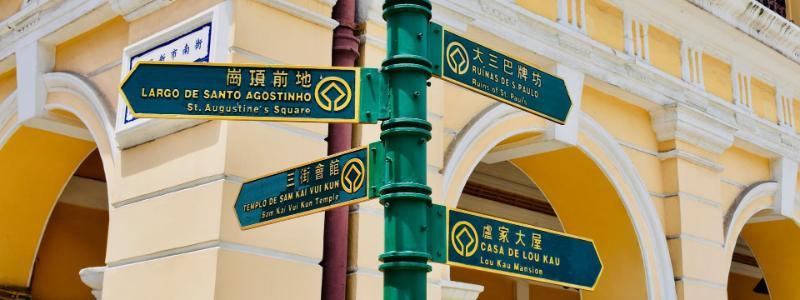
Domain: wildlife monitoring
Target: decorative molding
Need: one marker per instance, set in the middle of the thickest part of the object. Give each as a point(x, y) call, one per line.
point(750, 194)
point(500, 13)
point(41, 19)
point(692, 158)
point(134, 9)
point(759, 22)
point(93, 278)
point(302, 12)
point(681, 122)
point(455, 290)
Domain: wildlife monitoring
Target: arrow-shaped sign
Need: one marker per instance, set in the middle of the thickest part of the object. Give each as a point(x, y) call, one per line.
point(497, 75)
point(501, 246)
point(253, 92)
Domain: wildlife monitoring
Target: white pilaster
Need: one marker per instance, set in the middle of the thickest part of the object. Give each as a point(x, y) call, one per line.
point(33, 60)
point(568, 133)
point(784, 171)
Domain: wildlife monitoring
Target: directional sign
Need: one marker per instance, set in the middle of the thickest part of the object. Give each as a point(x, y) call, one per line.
point(500, 246)
point(330, 182)
point(251, 92)
point(499, 76)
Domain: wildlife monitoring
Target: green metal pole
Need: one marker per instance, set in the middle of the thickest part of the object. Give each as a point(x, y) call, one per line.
point(406, 195)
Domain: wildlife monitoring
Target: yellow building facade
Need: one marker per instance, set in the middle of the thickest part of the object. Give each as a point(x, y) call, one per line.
point(679, 158)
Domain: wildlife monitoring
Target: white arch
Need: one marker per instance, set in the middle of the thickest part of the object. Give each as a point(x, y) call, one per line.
point(739, 210)
point(7, 110)
point(650, 233)
point(102, 113)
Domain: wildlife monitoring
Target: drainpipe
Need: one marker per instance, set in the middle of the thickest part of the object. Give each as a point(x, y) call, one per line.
point(340, 138)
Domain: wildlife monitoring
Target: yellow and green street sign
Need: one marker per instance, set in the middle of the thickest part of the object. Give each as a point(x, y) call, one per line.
point(489, 72)
point(505, 247)
point(253, 92)
point(341, 179)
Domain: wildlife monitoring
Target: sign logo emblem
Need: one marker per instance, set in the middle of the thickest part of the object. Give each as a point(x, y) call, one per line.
point(464, 238)
point(457, 58)
point(333, 94)
point(352, 177)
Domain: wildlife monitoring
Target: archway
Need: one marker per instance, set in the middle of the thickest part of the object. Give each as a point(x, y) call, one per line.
point(762, 246)
point(593, 183)
point(38, 168)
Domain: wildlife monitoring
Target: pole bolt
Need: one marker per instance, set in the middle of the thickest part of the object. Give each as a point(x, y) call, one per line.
point(416, 94)
point(419, 36)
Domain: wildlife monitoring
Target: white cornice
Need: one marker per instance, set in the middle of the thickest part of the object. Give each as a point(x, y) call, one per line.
point(41, 19)
point(134, 9)
point(680, 122)
point(759, 22)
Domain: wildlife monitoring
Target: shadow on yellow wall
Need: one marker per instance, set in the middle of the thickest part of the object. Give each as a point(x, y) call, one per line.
point(587, 204)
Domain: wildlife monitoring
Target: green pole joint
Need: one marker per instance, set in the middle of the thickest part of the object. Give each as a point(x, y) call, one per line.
point(405, 193)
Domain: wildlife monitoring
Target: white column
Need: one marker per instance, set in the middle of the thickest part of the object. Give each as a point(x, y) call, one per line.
point(522, 290)
point(562, 12)
point(583, 15)
point(646, 42)
point(784, 171)
point(685, 62)
point(628, 34)
point(780, 103)
point(34, 59)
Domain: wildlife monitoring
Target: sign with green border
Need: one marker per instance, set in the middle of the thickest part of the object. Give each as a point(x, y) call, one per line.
point(497, 75)
point(342, 179)
point(495, 245)
point(252, 92)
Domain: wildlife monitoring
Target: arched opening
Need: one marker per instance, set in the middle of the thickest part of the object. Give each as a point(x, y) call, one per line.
point(55, 199)
point(563, 190)
point(77, 225)
point(765, 261)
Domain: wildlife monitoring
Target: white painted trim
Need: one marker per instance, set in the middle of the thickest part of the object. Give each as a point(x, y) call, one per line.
point(752, 193)
point(691, 157)
point(8, 108)
point(784, 171)
point(135, 9)
point(143, 130)
point(683, 122)
point(455, 290)
point(52, 20)
point(759, 22)
point(652, 228)
point(646, 86)
point(302, 12)
point(212, 245)
point(84, 90)
point(33, 60)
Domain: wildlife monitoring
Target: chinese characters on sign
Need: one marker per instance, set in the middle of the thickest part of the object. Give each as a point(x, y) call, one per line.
point(244, 92)
point(503, 78)
point(489, 244)
point(337, 180)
